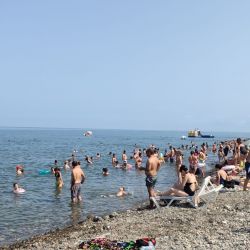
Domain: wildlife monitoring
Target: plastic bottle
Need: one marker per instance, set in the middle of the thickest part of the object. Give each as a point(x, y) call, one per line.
point(149, 247)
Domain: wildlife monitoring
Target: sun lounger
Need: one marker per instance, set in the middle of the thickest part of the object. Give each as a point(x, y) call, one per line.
point(207, 193)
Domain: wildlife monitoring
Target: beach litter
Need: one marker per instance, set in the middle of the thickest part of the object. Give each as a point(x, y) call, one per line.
point(106, 244)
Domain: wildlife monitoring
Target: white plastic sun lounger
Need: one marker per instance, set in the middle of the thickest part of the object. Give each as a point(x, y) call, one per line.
point(208, 192)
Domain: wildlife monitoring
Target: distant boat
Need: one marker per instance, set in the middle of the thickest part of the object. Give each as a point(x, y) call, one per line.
point(197, 133)
point(194, 133)
point(88, 133)
point(183, 137)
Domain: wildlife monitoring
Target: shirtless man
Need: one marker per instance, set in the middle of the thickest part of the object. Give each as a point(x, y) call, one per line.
point(77, 177)
point(114, 160)
point(124, 156)
point(151, 170)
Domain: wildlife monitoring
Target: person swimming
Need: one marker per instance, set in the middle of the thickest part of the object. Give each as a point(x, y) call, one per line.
point(105, 172)
point(19, 170)
point(17, 189)
point(89, 160)
point(121, 192)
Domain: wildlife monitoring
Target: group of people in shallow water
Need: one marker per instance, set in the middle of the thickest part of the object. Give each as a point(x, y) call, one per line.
point(233, 157)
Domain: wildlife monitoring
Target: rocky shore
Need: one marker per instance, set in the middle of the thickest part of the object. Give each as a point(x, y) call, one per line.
point(224, 224)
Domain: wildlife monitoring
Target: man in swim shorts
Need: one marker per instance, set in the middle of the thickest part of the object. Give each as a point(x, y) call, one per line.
point(77, 178)
point(151, 170)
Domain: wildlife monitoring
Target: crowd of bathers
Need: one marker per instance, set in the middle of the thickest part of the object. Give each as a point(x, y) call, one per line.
point(233, 160)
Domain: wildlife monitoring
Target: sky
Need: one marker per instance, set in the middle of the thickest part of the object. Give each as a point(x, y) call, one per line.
point(146, 65)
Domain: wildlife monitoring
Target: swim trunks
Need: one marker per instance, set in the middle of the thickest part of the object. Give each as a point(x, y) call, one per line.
point(151, 181)
point(247, 168)
point(75, 190)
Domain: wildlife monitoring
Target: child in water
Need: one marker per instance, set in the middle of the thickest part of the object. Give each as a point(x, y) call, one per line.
point(58, 175)
point(121, 192)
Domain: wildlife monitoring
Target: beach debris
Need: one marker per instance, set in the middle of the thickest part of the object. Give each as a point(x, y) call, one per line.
point(104, 243)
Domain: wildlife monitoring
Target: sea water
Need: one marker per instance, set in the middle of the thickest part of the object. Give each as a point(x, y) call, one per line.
point(42, 207)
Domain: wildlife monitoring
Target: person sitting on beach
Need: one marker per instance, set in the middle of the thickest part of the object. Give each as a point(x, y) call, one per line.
point(121, 192)
point(77, 178)
point(17, 189)
point(223, 178)
point(19, 169)
point(58, 175)
point(187, 187)
point(105, 172)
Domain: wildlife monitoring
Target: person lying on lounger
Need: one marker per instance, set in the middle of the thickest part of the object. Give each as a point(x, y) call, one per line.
point(228, 181)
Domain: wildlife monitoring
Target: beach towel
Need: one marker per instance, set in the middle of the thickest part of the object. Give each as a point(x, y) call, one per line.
point(106, 244)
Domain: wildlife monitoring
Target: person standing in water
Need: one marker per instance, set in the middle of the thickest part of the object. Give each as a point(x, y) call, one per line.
point(151, 170)
point(77, 178)
point(124, 156)
point(178, 162)
point(58, 175)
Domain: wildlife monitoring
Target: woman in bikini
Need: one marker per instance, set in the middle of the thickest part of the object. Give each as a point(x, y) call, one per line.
point(186, 188)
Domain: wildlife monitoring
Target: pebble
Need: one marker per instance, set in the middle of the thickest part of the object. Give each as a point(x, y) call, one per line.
point(224, 226)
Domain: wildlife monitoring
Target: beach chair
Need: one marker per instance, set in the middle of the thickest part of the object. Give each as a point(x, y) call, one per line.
point(207, 193)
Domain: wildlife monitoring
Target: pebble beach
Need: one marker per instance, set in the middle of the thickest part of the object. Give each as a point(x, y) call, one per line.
point(224, 224)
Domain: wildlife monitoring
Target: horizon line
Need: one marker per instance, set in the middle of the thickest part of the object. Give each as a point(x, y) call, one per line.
point(126, 129)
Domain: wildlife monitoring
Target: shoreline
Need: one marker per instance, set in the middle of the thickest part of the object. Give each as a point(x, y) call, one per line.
point(224, 224)
point(139, 205)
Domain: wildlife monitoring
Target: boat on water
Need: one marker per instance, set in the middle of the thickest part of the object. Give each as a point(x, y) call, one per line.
point(194, 133)
point(88, 133)
point(183, 137)
point(197, 133)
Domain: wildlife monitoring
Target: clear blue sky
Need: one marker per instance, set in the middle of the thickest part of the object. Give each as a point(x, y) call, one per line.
point(162, 65)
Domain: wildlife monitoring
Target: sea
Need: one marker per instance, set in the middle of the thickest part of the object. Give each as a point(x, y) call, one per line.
point(43, 208)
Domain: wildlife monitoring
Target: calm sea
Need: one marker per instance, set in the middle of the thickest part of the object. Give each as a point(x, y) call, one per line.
point(42, 207)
